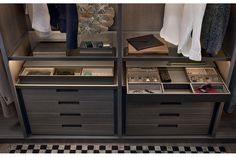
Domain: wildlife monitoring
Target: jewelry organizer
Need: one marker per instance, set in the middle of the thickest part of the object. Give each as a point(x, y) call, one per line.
point(145, 80)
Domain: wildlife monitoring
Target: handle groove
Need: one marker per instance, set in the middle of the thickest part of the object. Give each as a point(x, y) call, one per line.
point(170, 103)
point(68, 102)
point(70, 114)
point(169, 114)
point(67, 90)
point(71, 125)
point(167, 125)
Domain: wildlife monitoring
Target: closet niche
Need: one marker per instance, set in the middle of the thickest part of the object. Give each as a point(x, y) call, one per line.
point(112, 91)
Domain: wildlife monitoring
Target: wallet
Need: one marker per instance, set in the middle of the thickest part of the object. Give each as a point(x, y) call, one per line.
point(144, 42)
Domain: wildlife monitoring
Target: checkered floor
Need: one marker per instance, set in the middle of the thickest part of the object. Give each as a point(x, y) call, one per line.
point(37, 148)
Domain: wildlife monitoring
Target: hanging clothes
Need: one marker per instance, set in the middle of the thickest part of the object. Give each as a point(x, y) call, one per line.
point(65, 18)
point(182, 27)
point(6, 98)
point(39, 17)
point(214, 27)
point(171, 23)
point(190, 31)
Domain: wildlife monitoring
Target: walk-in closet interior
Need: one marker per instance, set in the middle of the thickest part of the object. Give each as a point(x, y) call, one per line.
point(111, 86)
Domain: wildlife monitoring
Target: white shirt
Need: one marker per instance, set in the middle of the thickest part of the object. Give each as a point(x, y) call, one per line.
point(182, 26)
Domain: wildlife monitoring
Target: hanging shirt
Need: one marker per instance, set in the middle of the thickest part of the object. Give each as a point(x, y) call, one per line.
point(182, 27)
point(39, 17)
point(171, 23)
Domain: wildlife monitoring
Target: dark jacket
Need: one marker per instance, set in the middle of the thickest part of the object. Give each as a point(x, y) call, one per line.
point(64, 17)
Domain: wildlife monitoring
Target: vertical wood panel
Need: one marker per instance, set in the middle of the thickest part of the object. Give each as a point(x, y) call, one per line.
point(12, 24)
point(143, 17)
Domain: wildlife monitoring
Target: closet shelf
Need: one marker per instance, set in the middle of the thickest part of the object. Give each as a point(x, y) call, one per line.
point(173, 56)
point(66, 58)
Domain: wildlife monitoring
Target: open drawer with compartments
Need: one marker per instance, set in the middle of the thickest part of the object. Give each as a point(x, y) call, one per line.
point(182, 84)
point(53, 111)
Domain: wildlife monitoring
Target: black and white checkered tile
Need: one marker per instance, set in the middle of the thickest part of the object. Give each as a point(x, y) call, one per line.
point(63, 148)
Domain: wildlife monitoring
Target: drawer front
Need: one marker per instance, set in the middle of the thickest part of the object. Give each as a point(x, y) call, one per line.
point(70, 106)
point(73, 129)
point(67, 118)
point(169, 118)
point(67, 94)
point(177, 107)
point(166, 129)
point(67, 100)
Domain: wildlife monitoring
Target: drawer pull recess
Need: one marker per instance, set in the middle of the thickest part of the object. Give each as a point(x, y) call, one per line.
point(70, 114)
point(71, 125)
point(167, 125)
point(67, 90)
point(68, 102)
point(169, 114)
point(170, 103)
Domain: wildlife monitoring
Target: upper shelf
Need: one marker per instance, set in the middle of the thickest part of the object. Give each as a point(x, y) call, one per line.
point(173, 56)
point(57, 51)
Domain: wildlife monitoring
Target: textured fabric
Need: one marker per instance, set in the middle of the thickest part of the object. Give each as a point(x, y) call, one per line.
point(214, 27)
point(7, 109)
point(65, 18)
point(6, 98)
point(182, 26)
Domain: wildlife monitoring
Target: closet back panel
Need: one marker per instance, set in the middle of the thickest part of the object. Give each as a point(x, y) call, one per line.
point(12, 24)
point(13, 28)
point(143, 17)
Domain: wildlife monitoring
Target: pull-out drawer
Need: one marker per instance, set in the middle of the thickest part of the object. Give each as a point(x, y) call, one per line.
point(67, 100)
point(70, 106)
point(68, 94)
point(193, 84)
point(169, 118)
point(174, 118)
point(73, 129)
point(67, 118)
point(180, 107)
point(166, 129)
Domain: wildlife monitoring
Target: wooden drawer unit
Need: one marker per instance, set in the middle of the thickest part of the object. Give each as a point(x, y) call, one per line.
point(70, 111)
point(168, 118)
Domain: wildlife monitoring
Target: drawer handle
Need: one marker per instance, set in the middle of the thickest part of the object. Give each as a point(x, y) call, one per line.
point(68, 102)
point(67, 90)
point(167, 125)
point(169, 114)
point(71, 125)
point(171, 103)
point(70, 114)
